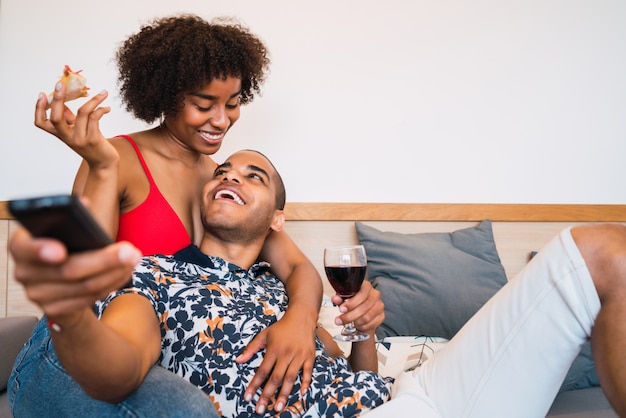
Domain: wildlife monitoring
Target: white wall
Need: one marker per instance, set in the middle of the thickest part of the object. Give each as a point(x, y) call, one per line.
point(419, 101)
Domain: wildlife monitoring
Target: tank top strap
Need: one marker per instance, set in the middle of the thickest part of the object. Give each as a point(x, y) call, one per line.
point(141, 160)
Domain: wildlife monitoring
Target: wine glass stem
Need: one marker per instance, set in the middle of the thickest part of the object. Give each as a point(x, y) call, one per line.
point(349, 329)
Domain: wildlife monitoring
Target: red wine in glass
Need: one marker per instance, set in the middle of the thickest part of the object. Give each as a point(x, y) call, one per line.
point(345, 280)
point(345, 268)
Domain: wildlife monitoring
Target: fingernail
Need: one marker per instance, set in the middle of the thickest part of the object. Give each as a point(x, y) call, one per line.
point(128, 254)
point(103, 92)
point(279, 406)
point(338, 321)
point(343, 309)
point(58, 86)
point(48, 253)
point(260, 409)
point(247, 397)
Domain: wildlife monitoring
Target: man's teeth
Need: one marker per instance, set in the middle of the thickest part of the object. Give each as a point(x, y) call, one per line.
point(227, 194)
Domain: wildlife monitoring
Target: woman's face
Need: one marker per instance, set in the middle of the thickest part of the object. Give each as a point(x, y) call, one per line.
point(207, 115)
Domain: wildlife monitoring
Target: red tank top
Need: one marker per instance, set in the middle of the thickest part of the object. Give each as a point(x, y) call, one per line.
point(153, 226)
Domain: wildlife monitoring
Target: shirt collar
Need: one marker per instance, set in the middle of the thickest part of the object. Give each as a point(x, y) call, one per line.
point(192, 254)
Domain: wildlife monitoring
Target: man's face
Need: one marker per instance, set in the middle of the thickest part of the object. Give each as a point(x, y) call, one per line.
point(241, 198)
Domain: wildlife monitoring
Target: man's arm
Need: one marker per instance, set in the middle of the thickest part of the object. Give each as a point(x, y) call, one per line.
point(367, 311)
point(363, 354)
point(110, 357)
point(290, 342)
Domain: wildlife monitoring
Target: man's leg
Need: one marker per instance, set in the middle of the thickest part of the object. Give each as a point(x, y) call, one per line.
point(511, 357)
point(604, 250)
point(165, 394)
point(40, 386)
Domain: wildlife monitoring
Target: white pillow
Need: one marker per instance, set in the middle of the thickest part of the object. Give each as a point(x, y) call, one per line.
point(395, 354)
point(398, 354)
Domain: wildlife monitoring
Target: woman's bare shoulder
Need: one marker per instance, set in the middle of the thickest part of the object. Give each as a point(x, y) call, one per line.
point(124, 140)
point(130, 168)
point(125, 148)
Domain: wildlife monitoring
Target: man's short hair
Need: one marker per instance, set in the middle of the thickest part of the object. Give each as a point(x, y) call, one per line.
point(281, 193)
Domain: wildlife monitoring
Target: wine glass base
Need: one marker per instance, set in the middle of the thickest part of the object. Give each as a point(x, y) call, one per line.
point(351, 337)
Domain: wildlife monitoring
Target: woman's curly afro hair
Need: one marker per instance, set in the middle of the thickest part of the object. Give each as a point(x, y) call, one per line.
point(176, 55)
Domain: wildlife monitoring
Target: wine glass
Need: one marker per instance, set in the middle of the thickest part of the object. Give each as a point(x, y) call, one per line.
point(345, 268)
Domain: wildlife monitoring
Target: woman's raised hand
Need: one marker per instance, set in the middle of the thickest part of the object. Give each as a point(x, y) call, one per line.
point(81, 132)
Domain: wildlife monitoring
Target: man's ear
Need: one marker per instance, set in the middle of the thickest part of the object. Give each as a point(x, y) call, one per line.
point(279, 221)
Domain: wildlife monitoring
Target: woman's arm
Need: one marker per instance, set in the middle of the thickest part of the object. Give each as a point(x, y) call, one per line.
point(289, 342)
point(302, 281)
point(97, 177)
point(100, 186)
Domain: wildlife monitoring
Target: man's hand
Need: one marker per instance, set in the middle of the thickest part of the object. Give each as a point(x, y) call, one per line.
point(365, 309)
point(290, 348)
point(62, 284)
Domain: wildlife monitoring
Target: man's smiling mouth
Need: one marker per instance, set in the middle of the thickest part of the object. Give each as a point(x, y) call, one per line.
point(229, 194)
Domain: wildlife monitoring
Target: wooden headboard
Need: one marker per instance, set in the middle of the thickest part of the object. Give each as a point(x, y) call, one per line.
point(518, 230)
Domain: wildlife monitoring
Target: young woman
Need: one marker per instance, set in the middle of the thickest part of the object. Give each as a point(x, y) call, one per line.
point(192, 76)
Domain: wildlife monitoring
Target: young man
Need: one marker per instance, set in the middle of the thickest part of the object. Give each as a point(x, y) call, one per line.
point(574, 289)
point(196, 312)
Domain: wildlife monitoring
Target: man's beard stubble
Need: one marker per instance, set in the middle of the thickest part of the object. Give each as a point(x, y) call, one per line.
point(228, 230)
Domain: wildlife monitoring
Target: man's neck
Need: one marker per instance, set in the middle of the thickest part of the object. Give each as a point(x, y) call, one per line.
point(242, 254)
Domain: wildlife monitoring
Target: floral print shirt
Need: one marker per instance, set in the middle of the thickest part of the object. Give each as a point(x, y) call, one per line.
point(209, 310)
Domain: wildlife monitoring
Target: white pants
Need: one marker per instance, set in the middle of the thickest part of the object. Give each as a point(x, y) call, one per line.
point(510, 359)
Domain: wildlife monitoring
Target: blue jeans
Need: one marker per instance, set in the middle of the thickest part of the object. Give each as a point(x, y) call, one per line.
point(39, 386)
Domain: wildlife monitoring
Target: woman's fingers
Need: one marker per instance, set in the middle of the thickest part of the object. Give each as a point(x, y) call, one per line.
point(77, 130)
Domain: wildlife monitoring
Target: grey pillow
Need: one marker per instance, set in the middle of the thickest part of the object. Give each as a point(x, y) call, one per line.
point(582, 374)
point(431, 283)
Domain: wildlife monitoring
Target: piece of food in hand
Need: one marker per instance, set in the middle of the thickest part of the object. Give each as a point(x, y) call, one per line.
point(75, 85)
